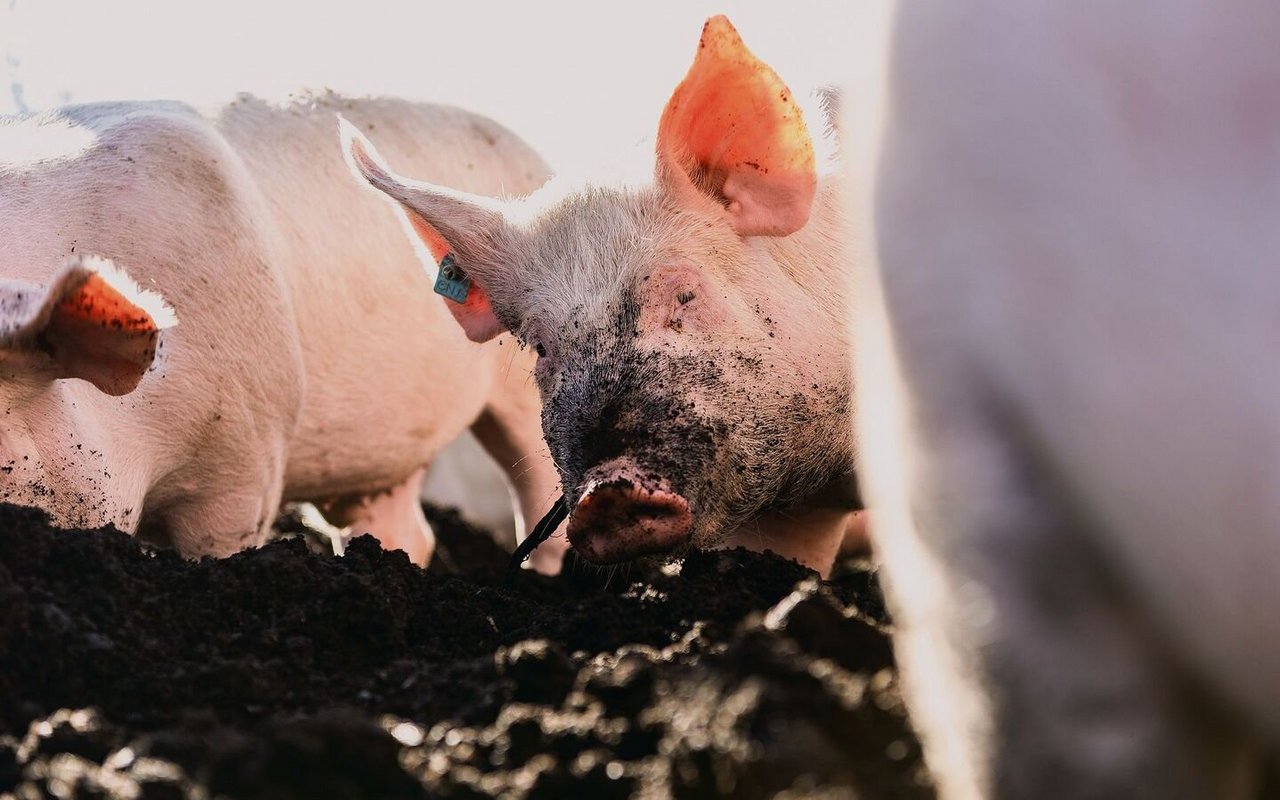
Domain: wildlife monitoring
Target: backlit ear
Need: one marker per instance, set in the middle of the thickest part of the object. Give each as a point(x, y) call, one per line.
point(445, 223)
point(93, 322)
point(735, 131)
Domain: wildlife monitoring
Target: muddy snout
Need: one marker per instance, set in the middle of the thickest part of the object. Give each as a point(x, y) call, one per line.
point(620, 517)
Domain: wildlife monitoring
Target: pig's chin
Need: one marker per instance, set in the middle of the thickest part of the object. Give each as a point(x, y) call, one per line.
point(624, 514)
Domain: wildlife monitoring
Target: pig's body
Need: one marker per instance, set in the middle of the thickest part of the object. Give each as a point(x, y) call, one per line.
point(1071, 393)
point(311, 361)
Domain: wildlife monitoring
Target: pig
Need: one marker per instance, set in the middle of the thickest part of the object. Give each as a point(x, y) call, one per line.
point(310, 360)
point(692, 351)
point(1068, 397)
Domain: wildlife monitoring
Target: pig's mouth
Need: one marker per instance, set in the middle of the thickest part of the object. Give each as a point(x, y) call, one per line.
point(623, 514)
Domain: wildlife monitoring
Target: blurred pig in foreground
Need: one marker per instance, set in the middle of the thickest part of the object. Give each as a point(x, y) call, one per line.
point(310, 360)
point(1070, 392)
point(690, 329)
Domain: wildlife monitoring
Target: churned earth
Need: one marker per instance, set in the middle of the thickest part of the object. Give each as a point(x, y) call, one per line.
point(287, 673)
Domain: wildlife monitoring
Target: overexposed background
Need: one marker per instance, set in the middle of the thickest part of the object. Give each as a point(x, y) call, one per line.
point(577, 79)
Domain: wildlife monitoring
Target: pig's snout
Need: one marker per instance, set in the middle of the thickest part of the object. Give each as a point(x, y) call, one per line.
point(620, 518)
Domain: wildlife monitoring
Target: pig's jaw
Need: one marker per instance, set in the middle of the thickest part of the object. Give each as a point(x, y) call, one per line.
point(623, 513)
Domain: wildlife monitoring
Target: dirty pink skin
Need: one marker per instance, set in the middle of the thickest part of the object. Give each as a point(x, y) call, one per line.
point(692, 349)
point(310, 360)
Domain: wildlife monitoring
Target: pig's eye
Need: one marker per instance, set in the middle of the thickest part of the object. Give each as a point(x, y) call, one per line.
point(685, 297)
point(540, 350)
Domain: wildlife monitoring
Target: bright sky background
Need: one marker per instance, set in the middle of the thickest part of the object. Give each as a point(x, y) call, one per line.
point(574, 78)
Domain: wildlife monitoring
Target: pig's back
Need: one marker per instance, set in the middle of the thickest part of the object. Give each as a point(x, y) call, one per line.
point(390, 374)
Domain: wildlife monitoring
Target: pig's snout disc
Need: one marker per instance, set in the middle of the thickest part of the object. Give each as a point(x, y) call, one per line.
point(620, 520)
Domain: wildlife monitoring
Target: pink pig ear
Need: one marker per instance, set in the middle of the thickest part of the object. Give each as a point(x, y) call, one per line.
point(92, 322)
point(475, 313)
point(737, 133)
point(446, 223)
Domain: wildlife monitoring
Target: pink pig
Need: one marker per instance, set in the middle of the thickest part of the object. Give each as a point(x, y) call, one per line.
point(691, 335)
point(311, 360)
point(1069, 397)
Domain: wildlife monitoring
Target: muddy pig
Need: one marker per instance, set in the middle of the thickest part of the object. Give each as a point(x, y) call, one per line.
point(1070, 393)
point(311, 359)
point(690, 328)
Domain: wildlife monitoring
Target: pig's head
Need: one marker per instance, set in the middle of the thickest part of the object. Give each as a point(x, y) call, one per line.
point(92, 323)
point(691, 349)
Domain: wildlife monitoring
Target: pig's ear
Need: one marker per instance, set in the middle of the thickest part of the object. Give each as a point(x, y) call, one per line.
point(93, 322)
point(733, 128)
point(443, 222)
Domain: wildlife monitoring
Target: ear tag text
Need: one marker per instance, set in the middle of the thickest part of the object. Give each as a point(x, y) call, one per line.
point(452, 282)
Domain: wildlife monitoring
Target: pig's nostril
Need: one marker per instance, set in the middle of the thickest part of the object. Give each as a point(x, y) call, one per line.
point(656, 508)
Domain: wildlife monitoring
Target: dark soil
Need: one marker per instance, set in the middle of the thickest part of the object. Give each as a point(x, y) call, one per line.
point(281, 673)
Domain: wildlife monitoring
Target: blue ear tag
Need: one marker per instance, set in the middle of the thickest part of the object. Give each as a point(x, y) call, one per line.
point(452, 282)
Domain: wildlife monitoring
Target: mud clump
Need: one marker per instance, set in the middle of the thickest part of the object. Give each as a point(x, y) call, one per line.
point(283, 673)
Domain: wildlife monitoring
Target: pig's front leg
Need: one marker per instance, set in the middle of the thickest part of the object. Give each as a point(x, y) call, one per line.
point(232, 514)
point(1028, 671)
point(523, 456)
point(856, 540)
point(510, 430)
point(812, 537)
point(393, 516)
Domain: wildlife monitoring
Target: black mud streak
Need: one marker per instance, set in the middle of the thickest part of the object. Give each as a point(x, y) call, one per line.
point(282, 673)
point(719, 426)
point(611, 399)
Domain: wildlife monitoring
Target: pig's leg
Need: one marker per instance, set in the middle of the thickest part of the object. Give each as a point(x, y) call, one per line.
point(393, 516)
point(856, 539)
point(525, 460)
point(236, 518)
point(510, 430)
point(1029, 673)
point(811, 537)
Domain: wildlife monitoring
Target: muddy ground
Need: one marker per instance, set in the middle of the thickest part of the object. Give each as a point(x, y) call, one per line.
point(284, 673)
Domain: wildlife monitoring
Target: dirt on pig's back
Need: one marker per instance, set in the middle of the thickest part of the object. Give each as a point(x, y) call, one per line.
point(281, 673)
